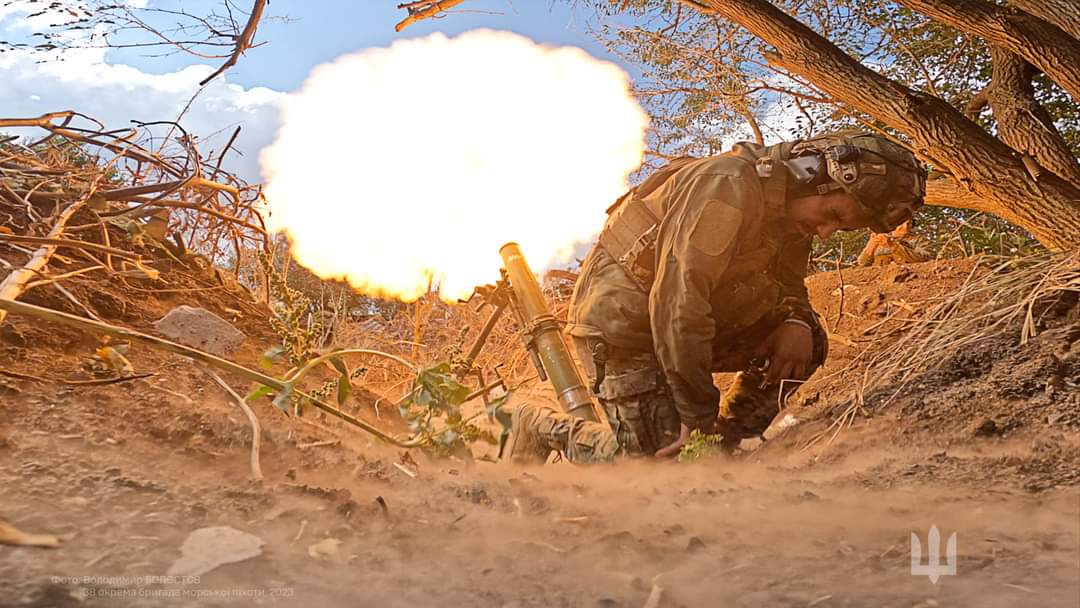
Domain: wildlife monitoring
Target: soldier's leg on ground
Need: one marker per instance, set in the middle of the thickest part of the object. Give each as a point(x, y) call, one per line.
point(631, 390)
point(640, 410)
point(747, 409)
point(537, 430)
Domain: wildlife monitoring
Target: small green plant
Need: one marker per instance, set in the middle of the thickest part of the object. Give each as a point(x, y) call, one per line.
point(699, 446)
point(292, 319)
point(437, 396)
point(432, 408)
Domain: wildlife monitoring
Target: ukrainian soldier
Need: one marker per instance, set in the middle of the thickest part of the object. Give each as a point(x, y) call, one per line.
point(700, 269)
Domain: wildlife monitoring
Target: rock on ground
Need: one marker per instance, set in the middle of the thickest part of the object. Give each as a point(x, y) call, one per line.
point(199, 328)
point(207, 548)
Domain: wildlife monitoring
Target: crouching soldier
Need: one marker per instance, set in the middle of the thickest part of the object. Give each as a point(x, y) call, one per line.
point(700, 269)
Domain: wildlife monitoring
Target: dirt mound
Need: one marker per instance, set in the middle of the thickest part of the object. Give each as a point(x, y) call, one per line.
point(995, 411)
point(986, 444)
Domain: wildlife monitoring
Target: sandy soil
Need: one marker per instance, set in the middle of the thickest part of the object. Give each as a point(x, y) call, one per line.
point(125, 472)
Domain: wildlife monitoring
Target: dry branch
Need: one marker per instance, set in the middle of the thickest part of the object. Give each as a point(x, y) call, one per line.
point(53, 242)
point(168, 189)
point(1043, 44)
point(940, 133)
point(121, 146)
point(243, 41)
point(424, 10)
point(63, 318)
point(256, 431)
point(15, 283)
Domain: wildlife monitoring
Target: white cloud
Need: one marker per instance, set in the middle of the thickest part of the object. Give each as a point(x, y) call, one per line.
point(83, 80)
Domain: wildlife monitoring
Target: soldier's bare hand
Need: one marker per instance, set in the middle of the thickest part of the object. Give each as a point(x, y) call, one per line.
point(789, 349)
point(670, 451)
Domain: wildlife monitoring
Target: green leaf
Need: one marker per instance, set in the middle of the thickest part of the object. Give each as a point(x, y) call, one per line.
point(442, 388)
point(261, 391)
point(339, 365)
point(344, 385)
point(271, 356)
point(284, 398)
point(698, 446)
point(343, 389)
point(448, 437)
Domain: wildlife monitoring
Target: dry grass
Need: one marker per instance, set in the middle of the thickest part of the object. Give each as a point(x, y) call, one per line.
point(999, 295)
point(430, 331)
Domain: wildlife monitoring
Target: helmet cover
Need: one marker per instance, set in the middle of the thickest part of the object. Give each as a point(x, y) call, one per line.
point(883, 178)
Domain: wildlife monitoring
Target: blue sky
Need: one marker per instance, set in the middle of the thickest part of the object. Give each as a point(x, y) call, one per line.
point(116, 86)
point(317, 31)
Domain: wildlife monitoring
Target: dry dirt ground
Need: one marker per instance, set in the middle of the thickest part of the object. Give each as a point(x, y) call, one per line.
point(987, 447)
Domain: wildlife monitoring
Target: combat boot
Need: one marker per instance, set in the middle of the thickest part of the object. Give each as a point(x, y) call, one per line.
point(537, 430)
point(526, 445)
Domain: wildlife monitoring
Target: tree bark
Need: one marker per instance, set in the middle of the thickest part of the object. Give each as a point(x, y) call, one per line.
point(1049, 208)
point(977, 104)
point(1062, 13)
point(1022, 122)
point(944, 191)
point(1045, 45)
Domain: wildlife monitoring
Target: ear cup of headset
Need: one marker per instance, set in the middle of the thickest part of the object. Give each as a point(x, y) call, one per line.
point(808, 170)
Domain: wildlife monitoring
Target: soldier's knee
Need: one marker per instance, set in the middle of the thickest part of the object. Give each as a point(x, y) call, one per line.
point(592, 445)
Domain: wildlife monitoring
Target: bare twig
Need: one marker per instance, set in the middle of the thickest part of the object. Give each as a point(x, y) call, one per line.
point(243, 41)
point(318, 444)
point(843, 288)
point(424, 10)
point(63, 318)
point(102, 381)
point(53, 242)
point(15, 283)
point(256, 431)
point(10, 535)
point(71, 298)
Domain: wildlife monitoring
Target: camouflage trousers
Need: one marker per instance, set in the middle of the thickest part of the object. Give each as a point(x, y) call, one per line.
point(641, 410)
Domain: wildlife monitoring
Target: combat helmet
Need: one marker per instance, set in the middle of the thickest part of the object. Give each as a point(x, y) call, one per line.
point(884, 178)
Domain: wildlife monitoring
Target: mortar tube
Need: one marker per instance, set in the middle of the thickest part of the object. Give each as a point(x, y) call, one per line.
point(547, 340)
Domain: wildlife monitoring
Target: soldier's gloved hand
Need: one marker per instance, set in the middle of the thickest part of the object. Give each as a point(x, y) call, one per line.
point(789, 348)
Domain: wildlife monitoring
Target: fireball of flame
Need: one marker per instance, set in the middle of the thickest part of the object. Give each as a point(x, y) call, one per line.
point(397, 168)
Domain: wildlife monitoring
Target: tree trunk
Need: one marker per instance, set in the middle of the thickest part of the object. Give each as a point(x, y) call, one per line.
point(944, 191)
point(1049, 208)
point(1022, 122)
point(1062, 13)
point(1043, 44)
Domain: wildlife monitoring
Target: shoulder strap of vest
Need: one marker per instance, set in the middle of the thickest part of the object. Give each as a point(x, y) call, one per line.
point(654, 181)
point(774, 179)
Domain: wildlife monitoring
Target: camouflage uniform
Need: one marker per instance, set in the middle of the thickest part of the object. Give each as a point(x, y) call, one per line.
point(721, 276)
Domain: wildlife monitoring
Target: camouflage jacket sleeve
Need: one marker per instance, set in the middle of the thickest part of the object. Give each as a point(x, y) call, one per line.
point(791, 272)
point(695, 245)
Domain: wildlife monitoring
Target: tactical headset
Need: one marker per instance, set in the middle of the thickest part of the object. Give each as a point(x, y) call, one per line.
point(889, 198)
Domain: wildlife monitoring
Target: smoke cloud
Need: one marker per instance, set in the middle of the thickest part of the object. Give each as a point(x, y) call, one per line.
point(400, 167)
